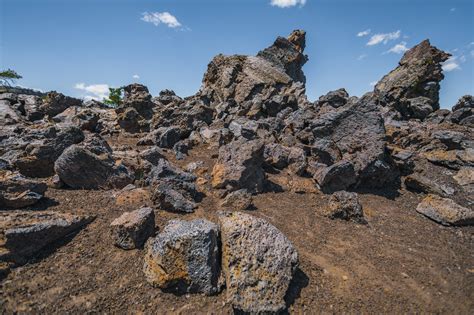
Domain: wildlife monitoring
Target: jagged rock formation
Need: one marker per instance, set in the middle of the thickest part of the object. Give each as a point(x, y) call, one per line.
point(259, 134)
point(412, 88)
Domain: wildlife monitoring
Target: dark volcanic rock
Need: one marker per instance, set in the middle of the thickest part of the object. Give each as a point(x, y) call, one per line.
point(418, 75)
point(17, 191)
point(132, 229)
point(91, 166)
point(334, 99)
point(239, 165)
point(258, 262)
point(247, 82)
point(41, 148)
point(345, 205)
point(136, 110)
point(338, 176)
point(173, 189)
point(287, 54)
point(184, 257)
point(27, 233)
point(55, 103)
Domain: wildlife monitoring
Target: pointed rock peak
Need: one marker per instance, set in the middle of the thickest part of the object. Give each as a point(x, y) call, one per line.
point(413, 87)
point(287, 54)
point(424, 52)
point(298, 38)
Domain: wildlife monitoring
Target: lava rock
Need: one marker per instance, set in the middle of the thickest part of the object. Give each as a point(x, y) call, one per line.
point(26, 233)
point(258, 262)
point(237, 200)
point(239, 165)
point(338, 176)
point(184, 258)
point(345, 205)
point(79, 167)
point(55, 103)
point(445, 211)
point(417, 75)
point(43, 148)
point(132, 229)
point(17, 191)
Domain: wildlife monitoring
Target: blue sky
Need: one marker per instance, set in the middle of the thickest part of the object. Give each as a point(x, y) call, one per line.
point(79, 47)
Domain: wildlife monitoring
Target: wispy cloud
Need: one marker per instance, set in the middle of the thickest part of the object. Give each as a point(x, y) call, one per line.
point(363, 33)
point(136, 76)
point(398, 48)
point(287, 3)
point(383, 38)
point(93, 91)
point(361, 57)
point(472, 53)
point(452, 9)
point(451, 64)
point(158, 18)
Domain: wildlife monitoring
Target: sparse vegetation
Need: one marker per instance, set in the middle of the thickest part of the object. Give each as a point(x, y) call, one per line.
point(115, 97)
point(9, 76)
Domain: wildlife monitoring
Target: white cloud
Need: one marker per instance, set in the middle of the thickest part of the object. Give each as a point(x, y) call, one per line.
point(363, 33)
point(136, 76)
point(452, 9)
point(472, 53)
point(363, 56)
point(451, 64)
point(398, 48)
point(161, 17)
point(93, 91)
point(287, 3)
point(373, 83)
point(383, 38)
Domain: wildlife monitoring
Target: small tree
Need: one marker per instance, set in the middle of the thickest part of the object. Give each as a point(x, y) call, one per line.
point(115, 97)
point(8, 77)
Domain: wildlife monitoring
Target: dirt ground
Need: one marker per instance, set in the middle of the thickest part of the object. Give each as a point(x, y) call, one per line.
point(401, 262)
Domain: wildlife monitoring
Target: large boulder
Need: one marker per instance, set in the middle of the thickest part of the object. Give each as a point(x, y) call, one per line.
point(239, 165)
point(40, 149)
point(343, 130)
point(17, 191)
point(412, 88)
point(258, 262)
point(184, 257)
point(90, 166)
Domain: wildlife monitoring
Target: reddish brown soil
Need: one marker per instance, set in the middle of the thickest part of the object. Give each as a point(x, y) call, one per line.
point(400, 262)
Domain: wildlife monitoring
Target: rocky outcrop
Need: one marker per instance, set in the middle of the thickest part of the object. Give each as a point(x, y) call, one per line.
point(136, 110)
point(55, 103)
point(258, 262)
point(184, 258)
point(250, 83)
point(412, 89)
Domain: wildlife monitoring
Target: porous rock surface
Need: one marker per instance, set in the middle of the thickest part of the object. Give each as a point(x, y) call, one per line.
point(258, 262)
